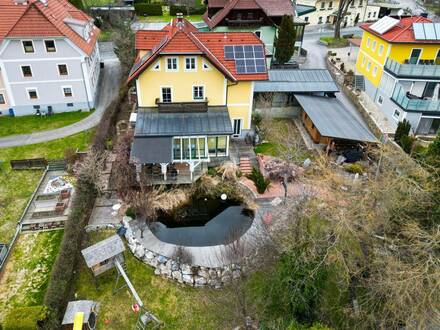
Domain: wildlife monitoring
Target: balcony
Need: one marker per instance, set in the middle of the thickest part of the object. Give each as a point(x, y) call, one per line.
point(175, 107)
point(411, 102)
point(178, 173)
point(240, 22)
point(412, 70)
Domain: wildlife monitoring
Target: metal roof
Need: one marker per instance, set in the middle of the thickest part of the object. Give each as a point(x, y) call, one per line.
point(304, 9)
point(332, 119)
point(84, 306)
point(298, 81)
point(215, 121)
point(152, 150)
point(103, 250)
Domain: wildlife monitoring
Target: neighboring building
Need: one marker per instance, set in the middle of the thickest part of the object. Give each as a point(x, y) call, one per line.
point(400, 60)
point(49, 57)
point(325, 12)
point(194, 93)
point(259, 16)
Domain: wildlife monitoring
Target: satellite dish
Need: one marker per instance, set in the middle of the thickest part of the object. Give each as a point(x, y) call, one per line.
point(400, 12)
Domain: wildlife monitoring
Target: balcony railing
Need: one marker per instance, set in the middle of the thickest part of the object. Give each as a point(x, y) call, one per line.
point(196, 106)
point(244, 22)
point(412, 70)
point(412, 103)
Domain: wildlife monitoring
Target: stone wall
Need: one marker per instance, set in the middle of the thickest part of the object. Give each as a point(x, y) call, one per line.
point(193, 275)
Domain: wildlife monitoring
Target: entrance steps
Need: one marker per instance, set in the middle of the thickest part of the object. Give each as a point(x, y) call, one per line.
point(245, 165)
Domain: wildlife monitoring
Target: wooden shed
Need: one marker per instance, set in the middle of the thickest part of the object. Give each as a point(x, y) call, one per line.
point(101, 256)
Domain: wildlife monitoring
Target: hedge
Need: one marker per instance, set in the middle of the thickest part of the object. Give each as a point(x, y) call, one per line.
point(147, 9)
point(24, 318)
point(174, 10)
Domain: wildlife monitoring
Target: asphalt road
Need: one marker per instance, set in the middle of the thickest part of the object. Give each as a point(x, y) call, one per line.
point(108, 91)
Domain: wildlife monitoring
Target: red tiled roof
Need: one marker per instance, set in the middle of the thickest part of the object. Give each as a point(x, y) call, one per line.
point(402, 32)
point(187, 40)
point(271, 8)
point(36, 19)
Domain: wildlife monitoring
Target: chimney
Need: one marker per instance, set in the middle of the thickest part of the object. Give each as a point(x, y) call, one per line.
point(179, 23)
point(425, 15)
point(20, 2)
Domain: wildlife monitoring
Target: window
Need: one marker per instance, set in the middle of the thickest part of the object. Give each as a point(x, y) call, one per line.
point(380, 50)
point(364, 60)
point(28, 46)
point(70, 104)
point(26, 70)
point(330, 5)
point(188, 148)
point(368, 42)
point(373, 48)
point(166, 95)
point(369, 14)
point(375, 71)
point(2, 99)
point(327, 20)
point(306, 19)
point(205, 65)
point(374, 14)
point(380, 100)
point(437, 58)
point(50, 46)
point(32, 93)
point(198, 93)
point(67, 91)
point(368, 66)
point(320, 20)
point(396, 114)
point(217, 146)
point(156, 67)
point(190, 64)
point(361, 2)
point(258, 34)
point(237, 127)
point(322, 5)
point(415, 55)
point(172, 64)
point(62, 70)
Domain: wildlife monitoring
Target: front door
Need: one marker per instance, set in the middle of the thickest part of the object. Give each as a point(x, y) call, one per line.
point(237, 127)
point(415, 55)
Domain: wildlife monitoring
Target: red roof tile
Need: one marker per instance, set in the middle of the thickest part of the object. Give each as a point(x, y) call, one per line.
point(187, 40)
point(271, 8)
point(402, 32)
point(36, 19)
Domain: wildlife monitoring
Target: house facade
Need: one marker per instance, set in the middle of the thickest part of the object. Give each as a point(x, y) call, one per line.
point(320, 12)
point(400, 60)
point(261, 17)
point(49, 57)
point(194, 94)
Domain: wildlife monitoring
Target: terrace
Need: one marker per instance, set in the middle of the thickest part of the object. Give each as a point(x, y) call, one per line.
point(424, 71)
point(410, 102)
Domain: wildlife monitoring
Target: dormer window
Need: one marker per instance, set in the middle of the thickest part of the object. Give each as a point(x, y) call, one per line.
point(28, 46)
point(50, 46)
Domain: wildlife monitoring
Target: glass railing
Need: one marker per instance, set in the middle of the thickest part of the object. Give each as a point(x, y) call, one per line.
point(413, 70)
point(413, 104)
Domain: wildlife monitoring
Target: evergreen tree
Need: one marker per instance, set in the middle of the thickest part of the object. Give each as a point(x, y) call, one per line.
point(285, 42)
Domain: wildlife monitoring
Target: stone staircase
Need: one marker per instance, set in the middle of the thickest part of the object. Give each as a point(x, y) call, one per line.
point(245, 165)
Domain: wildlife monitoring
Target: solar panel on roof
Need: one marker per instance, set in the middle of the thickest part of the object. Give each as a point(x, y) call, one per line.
point(419, 31)
point(429, 32)
point(437, 30)
point(229, 52)
point(426, 31)
point(248, 58)
point(385, 24)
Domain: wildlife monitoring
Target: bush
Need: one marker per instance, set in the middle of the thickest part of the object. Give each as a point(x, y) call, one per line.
point(261, 183)
point(147, 9)
point(257, 119)
point(24, 318)
point(131, 213)
point(174, 10)
point(354, 168)
point(406, 142)
point(403, 128)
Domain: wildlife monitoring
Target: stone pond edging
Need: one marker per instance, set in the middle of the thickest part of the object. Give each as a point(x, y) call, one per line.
point(197, 276)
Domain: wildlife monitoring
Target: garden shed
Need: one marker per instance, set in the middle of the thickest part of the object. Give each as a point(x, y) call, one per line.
point(101, 256)
point(81, 311)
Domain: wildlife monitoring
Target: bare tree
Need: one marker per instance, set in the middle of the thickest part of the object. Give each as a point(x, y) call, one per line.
point(91, 168)
point(341, 14)
point(145, 204)
point(123, 172)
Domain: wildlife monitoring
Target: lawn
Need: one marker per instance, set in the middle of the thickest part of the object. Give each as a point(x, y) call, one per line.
point(30, 124)
point(335, 42)
point(27, 272)
point(177, 305)
point(16, 187)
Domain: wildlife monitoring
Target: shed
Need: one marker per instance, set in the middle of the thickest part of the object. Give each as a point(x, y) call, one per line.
point(89, 310)
point(102, 255)
point(327, 119)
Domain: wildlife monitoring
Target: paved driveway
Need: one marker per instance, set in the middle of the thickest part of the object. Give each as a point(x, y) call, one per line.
point(108, 91)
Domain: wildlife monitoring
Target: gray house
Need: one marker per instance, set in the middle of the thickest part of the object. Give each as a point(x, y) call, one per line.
point(49, 57)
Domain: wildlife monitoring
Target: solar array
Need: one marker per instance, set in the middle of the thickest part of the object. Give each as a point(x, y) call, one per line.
point(385, 24)
point(426, 31)
point(248, 58)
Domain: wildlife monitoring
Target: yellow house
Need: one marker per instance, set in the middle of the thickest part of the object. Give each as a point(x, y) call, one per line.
point(194, 93)
point(400, 60)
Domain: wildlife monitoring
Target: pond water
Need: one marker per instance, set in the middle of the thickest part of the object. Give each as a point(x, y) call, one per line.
point(203, 223)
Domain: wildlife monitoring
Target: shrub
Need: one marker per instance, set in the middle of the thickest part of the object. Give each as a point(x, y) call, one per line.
point(147, 9)
point(257, 119)
point(131, 213)
point(354, 168)
point(24, 318)
point(403, 129)
point(261, 183)
point(174, 10)
point(406, 142)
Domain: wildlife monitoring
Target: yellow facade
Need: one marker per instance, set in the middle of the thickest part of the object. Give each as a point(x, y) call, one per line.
point(217, 89)
point(374, 51)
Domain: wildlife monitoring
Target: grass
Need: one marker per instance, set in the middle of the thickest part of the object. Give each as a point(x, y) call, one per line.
point(177, 305)
point(27, 272)
point(105, 35)
point(32, 123)
point(335, 42)
point(267, 148)
point(16, 187)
